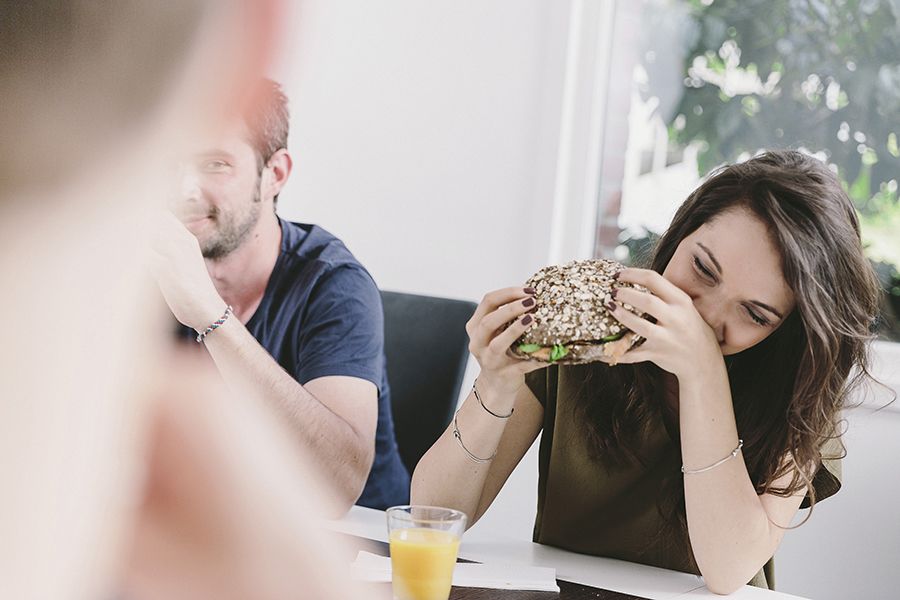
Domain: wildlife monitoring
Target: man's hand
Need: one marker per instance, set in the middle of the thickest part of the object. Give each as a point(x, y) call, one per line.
point(180, 271)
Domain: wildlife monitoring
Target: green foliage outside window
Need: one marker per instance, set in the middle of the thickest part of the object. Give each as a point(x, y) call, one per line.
point(821, 74)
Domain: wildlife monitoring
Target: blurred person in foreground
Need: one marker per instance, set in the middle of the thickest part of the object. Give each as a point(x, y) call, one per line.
point(301, 319)
point(128, 471)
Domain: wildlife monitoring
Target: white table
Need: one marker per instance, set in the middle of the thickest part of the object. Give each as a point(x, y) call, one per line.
point(605, 573)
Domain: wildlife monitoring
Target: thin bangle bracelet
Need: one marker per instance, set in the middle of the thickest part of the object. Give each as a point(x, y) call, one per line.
point(471, 456)
point(715, 464)
point(480, 401)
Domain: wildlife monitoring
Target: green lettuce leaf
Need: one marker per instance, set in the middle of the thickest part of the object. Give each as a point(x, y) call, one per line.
point(558, 352)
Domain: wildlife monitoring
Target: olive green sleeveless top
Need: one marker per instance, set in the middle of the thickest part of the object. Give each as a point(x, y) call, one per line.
point(589, 507)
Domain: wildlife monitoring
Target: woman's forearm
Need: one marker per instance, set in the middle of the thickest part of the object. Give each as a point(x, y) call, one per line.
point(455, 471)
point(729, 528)
point(446, 475)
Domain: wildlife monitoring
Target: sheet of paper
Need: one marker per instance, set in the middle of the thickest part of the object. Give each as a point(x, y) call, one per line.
point(373, 568)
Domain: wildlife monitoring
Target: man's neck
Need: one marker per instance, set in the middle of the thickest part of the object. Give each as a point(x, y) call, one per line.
point(242, 276)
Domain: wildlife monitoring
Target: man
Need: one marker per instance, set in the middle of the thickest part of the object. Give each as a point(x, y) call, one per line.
point(284, 309)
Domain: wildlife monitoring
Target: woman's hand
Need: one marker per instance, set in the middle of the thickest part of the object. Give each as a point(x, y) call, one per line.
point(489, 342)
point(679, 341)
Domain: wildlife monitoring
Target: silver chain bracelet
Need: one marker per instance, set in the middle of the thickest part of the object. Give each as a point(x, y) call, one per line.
point(471, 456)
point(715, 464)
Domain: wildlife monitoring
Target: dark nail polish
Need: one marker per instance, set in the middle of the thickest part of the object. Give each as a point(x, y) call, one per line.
point(613, 293)
point(527, 320)
point(528, 302)
point(616, 276)
point(611, 306)
point(529, 290)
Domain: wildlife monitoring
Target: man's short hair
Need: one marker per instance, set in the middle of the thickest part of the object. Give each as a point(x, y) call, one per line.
point(267, 121)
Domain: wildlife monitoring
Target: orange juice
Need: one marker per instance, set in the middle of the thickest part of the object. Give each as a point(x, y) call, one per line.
point(422, 561)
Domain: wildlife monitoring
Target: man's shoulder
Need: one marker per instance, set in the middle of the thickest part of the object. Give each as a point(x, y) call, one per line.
point(309, 242)
point(319, 259)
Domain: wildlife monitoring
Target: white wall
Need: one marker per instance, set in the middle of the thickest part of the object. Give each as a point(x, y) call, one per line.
point(424, 135)
point(850, 547)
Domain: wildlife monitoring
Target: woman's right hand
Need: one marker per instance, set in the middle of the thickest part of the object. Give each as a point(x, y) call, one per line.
point(489, 342)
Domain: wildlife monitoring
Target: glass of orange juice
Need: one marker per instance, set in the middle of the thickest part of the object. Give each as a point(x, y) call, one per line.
point(424, 541)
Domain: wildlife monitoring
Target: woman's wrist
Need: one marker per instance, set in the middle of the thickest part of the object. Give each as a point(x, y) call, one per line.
point(498, 394)
point(703, 378)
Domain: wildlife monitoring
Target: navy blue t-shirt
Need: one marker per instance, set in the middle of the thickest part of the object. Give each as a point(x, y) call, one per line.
point(321, 315)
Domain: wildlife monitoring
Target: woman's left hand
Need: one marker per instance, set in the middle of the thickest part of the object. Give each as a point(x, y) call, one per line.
point(679, 341)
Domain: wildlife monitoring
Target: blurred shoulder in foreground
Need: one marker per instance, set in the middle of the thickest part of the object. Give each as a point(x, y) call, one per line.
point(123, 470)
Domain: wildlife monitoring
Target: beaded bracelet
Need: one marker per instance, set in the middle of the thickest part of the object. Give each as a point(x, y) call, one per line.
point(215, 325)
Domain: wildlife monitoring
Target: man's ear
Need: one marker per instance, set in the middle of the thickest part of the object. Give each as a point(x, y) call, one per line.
point(279, 169)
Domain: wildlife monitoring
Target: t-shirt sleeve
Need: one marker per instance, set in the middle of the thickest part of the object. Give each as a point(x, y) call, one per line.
point(827, 480)
point(342, 330)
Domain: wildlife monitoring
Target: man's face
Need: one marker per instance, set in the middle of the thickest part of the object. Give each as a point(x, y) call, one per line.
point(219, 198)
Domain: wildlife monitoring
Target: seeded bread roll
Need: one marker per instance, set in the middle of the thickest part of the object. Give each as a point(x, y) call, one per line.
point(572, 323)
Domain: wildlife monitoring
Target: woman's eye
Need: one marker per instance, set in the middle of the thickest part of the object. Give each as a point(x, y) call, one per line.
point(703, 269)
point(759, 320)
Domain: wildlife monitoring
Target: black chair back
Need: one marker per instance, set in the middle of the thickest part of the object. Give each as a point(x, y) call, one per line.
point(427, 349)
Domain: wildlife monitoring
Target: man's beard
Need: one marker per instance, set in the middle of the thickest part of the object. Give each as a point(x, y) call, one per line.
point(230, 232)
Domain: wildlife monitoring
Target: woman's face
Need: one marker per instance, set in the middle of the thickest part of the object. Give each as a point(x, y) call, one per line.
point(731, 269)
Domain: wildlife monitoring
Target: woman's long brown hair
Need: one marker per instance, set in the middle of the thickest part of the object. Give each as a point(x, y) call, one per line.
point(789, 389)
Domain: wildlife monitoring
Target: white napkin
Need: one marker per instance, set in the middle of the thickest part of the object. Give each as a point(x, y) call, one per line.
point(377, 569)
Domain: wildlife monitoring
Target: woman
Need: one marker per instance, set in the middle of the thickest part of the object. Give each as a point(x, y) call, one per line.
point(697, 451)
